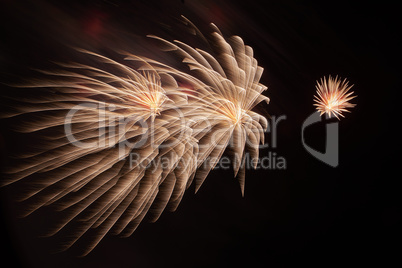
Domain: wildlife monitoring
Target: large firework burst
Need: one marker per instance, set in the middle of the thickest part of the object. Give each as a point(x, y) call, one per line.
point(120, 142)
point(333, 96)
point(228, 87)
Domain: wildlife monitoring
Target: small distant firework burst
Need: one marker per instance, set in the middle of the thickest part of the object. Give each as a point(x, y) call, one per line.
point(333, 96)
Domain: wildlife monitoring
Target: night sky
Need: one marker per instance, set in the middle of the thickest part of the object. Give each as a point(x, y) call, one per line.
point(309, 213)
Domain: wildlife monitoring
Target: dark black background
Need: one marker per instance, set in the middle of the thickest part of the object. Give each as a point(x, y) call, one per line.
point(310, 213)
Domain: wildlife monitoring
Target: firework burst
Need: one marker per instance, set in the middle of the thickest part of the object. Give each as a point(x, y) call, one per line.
point(119, 143)
point(333, 96)
point(227, 85)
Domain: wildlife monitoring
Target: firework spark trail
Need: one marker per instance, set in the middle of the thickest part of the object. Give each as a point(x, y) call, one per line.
point(176, 133)
point(333, 96)
point(89, 182)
